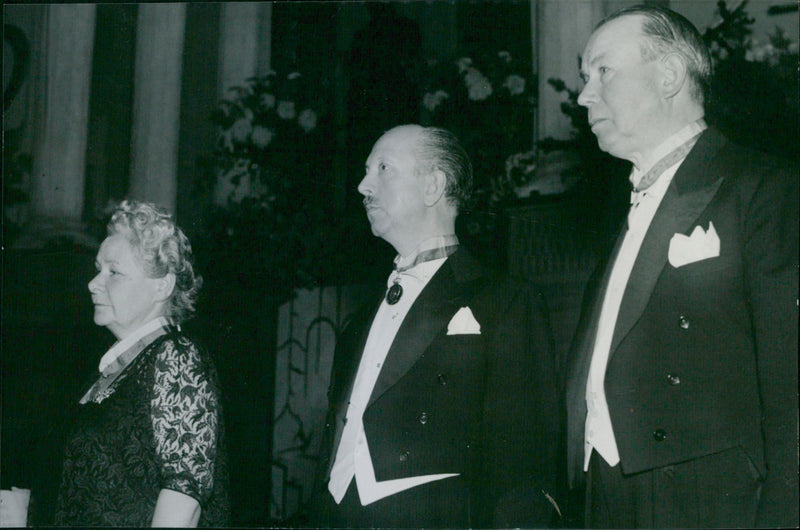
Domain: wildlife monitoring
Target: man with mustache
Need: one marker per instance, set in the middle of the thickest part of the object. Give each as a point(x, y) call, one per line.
point(443, 401)
point(682, 390)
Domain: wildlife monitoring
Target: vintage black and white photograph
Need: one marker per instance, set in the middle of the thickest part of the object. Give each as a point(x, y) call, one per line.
point(400, 264)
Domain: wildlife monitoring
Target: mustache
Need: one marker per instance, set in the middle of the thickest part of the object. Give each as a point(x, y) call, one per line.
point(368, 201)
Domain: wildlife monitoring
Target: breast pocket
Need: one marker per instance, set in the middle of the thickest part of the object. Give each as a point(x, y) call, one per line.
point(454, 362)
point(459, 349)
point(710, 266)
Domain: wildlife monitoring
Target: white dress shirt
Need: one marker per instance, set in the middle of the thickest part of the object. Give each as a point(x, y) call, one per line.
point(120, 346)
point(599, 433)
point(352, 457)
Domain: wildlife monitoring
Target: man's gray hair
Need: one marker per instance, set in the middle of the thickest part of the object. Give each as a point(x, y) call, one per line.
point(669, 32)
point(438, 148)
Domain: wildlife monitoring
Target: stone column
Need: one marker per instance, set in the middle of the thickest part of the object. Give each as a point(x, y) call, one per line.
point(244, 43)
point(535, 64)
point(61, 119)
point(561, 32)
point(157, 102)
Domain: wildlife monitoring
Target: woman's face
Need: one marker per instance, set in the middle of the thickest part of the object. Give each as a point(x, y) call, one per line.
point(124, 297)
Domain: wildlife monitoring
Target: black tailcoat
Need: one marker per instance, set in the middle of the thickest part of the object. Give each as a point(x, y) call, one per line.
point(481, 405)
point(704, 356)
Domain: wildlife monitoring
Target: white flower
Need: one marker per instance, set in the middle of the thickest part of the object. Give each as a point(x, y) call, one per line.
point(479, 86)
point(515, 84)
point(286, 110)
point(505, 56)
point(524, 163)
point(762, 53)
point(721, 52)
point(463, 64)
point(262, 136)
point(267, 100)
point(307, 120)
point(240, 129)
point(431, 100)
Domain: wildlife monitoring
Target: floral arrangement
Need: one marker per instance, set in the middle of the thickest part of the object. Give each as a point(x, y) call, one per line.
point(488, 101)
point(265, 129)
point(755, 95)
point(273, 219)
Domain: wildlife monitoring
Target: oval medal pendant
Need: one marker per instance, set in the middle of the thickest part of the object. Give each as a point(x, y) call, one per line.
point(394, 293)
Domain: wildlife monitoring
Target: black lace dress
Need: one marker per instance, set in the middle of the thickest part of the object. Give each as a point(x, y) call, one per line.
point(157, 426)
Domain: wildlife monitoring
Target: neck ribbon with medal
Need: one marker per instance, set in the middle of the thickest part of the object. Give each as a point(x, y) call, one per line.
point(395, 292)
point(649, 178)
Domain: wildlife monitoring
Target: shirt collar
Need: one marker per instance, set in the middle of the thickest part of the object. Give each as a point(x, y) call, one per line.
point(674, 141)
point(441, 241)
point(123, 345)
point(422, 271)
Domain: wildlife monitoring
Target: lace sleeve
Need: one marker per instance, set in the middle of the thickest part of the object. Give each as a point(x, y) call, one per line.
point(184, 409)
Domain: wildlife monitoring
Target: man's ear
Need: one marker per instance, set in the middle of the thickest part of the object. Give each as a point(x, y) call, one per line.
point(435, 184)
point(165, 286)
point(673, 74)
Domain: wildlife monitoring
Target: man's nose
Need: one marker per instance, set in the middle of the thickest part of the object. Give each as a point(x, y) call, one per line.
point(365, 186)
point(587, 95)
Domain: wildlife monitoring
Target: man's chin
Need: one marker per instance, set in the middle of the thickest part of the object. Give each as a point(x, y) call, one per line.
point(375, 226)
point(607, 146)
point(615, 145)
point(100, 318)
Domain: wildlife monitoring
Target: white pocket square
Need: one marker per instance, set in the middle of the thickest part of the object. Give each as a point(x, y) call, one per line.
point(463, 323)
point(700, 245)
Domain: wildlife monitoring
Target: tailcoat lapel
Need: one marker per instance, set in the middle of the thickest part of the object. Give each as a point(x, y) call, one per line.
point(344, 373)
point(688, 195)
point(578, 369)
point(448, 290)
point(581, 356)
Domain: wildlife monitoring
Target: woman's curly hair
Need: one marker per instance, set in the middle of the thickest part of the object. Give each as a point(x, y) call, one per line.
point(161, 248)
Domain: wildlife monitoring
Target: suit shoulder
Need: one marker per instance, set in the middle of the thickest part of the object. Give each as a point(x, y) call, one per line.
point(507, 285)
point(490, 282)
point(502, 291)
point(749, 166)
point(763, 181)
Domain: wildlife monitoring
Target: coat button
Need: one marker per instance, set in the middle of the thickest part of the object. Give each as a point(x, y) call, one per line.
point(673, 379)
point(659, 435)
point(683, 322)
point(441, 379)
point(423, 417)
point(404, 456)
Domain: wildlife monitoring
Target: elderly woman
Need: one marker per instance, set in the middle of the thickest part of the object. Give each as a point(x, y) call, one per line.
point(147, 448)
